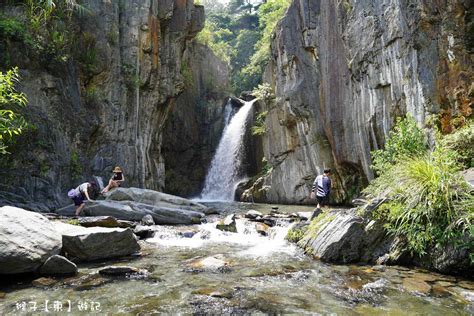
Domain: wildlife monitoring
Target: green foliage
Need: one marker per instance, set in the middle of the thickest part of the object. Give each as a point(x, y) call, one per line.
point(11, 123)
point(92, 94)
point(430, 203)
point(73, 222)
point(12, 29)
point(405, 140)
point(240, 34)
point(259, 128)
point(88, 55)
point(462, 141)
point(296, 233)
point(217, 39)
point(269, 14)
point(75, 166)
point(265, 93)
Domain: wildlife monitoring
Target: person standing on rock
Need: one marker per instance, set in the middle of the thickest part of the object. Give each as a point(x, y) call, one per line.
point(322, 188)
point(117, 179)
point(79, 194)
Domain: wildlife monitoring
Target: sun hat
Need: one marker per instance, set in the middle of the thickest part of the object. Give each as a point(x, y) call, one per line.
point(117, 169)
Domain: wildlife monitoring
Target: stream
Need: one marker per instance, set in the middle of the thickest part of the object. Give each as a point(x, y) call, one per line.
point(198, 269)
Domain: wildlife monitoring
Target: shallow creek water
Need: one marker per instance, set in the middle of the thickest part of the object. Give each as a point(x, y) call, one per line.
point(243, 273)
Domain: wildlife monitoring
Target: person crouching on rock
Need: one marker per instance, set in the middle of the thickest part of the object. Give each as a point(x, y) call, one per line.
point(322, 188)
point(79, 194)
point(116, 181)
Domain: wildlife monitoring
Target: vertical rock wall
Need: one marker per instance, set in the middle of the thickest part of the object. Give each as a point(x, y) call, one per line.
point(195, 124)
point(107, 108)
point(342, 71)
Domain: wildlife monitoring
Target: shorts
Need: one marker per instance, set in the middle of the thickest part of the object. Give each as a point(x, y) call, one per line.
point(322, 200)
point(78, 200)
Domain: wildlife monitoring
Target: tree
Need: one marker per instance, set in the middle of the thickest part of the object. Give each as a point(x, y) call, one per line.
point(11, 123)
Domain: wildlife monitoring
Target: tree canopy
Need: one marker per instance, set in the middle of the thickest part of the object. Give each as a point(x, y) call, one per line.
point(240, 34)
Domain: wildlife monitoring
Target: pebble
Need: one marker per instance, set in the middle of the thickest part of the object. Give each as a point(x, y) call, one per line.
point(43, 282)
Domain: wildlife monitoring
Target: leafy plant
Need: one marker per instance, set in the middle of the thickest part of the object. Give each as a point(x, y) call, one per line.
point(259, 128)
point(405, 140)
point(430, 203)
point(462, 141)
point(11, 123)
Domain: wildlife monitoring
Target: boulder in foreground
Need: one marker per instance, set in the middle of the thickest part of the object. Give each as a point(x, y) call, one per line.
point(88, 244)
point(27, 240)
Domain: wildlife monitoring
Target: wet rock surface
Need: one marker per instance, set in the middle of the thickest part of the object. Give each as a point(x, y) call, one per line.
point(58, 265)
point(121, 271)
point(228, 224)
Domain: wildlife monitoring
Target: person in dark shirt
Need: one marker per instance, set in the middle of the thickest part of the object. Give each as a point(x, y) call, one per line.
point(322, 188)
point(117, 179)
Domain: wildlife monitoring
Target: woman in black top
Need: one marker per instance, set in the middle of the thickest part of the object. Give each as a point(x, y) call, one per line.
point(117, 179)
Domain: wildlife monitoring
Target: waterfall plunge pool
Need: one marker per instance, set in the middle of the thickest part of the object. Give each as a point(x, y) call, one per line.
point(198, 269)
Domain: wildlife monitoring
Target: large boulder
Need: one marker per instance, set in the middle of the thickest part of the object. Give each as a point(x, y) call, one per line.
point(335, 237)
point(135, 211)
point(27, 240)
point(87, 244)
point(155, 198)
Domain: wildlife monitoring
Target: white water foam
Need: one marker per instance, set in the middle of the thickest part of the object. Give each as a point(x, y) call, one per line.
point(246, 236)
point(223, 175)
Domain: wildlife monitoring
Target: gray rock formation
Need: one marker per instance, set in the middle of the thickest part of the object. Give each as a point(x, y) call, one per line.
point(121, 271)
point(58, 265)
point(347, 236)
point(195, 123)
point(106, 105)
point(88, 244)
point(228, 224)
point(143, 232)
point(155, 198)
point(27, 240)
point(147, 220)
point(99, 221)
point(341, 71)
point(134, 211)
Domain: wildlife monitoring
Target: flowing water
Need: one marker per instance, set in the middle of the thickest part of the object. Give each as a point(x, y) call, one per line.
point(199, 269)
point(223, 174)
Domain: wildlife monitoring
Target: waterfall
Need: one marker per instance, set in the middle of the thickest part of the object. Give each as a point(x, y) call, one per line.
point(223, 174)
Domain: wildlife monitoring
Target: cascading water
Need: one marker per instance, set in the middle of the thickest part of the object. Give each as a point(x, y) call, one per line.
point(223, 175)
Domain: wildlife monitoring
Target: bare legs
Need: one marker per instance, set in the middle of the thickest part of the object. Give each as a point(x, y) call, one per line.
point(79, 209)
point(112, 184)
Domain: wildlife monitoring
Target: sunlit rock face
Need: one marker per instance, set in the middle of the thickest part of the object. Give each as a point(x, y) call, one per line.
point(108, 107)
point(342, 71)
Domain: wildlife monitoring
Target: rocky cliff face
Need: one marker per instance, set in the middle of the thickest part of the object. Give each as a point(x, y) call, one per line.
point(196, 122)
point(107, 108)
point(341, 71)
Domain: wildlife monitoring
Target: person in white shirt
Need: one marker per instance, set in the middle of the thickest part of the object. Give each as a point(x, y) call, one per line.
point(79, 194)
point(322, 188)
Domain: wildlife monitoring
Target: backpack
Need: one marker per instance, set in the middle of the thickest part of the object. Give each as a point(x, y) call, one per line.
point(72, 193)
